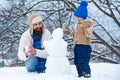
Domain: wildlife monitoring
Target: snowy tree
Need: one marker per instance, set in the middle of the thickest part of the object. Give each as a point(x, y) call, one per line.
point(105, 15)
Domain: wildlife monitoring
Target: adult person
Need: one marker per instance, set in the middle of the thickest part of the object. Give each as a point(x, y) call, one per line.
point(35, 57)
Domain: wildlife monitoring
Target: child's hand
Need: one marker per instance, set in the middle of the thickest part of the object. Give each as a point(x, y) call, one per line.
point(66, 30)
point(65, 25)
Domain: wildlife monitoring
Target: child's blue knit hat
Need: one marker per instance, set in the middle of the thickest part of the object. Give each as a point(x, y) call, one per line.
point(82, 11)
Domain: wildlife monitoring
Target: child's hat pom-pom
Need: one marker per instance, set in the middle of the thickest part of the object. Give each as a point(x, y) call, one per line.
point(84, 3)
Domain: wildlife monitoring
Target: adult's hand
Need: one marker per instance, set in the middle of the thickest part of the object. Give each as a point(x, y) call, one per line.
point(29, 51)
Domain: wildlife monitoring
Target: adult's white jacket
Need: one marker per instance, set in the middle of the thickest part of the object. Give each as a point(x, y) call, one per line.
point(26, 39)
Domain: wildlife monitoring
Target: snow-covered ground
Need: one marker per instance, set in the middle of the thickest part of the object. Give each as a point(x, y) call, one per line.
point(100, 71)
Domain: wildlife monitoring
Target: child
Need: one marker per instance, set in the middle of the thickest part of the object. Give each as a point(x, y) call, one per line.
point(81, 35)
point(57, 62)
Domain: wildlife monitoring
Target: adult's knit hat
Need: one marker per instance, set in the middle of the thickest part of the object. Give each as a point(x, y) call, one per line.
point(34, 18)
point(82, 10)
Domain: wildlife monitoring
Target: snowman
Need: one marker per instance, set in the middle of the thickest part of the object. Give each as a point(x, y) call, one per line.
point(57, 62)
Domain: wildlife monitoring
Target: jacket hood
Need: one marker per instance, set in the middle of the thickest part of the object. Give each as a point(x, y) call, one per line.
point(86, 22)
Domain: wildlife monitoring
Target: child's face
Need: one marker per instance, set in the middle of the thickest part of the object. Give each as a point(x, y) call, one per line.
point(78, 19)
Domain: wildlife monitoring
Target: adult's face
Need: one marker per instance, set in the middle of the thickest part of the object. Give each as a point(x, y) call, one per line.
point(37, 26)
point(38, 29)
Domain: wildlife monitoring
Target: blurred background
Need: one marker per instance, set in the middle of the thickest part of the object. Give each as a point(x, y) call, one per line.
point(104, 13)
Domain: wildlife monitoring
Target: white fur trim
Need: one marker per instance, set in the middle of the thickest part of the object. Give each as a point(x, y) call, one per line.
point(36, 19)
